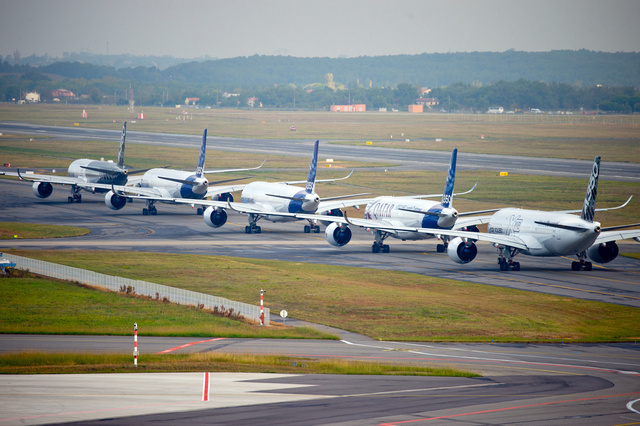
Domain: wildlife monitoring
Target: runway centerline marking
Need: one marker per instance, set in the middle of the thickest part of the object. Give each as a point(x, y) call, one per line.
point(186, 345)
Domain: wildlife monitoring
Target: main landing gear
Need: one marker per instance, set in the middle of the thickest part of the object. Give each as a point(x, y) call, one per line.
point(150, 209)
point(75, 195)
point(312, 227)
point(582, 263)
point(507, 262)
point(378, 245)
point(252, 227)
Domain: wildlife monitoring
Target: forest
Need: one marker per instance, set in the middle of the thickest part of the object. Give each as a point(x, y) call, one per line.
point(517, 81)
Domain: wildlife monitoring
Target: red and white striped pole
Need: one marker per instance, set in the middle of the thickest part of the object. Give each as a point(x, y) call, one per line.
point(135, 344)
point(262, 292)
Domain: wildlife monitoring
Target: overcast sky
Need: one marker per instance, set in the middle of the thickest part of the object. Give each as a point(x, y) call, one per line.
point(311, 28)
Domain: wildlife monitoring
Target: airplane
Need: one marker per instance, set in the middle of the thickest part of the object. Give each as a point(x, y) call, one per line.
point(162, 184)
point(82, 174)
point(540, 233)
point(382, 214)
point(273, 201)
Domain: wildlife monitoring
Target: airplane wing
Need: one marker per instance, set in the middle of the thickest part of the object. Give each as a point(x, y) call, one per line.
point(599, 210)
point(294, 182)
point(612, 233)
point(32, 177)
point(233, 170)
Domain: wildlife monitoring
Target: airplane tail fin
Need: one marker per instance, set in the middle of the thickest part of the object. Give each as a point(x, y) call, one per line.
point(451, 177)
point(120, 163)
point(589, 206)
point(311, 180)
point(203, 150)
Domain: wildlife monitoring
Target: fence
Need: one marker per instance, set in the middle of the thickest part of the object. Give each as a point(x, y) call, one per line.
point(143, 288)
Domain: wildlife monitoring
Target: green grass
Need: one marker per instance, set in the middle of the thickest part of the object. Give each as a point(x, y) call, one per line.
point(39, 363)
point(14, 230)
point(386, 305)
point(46, 306)
point(581, 137)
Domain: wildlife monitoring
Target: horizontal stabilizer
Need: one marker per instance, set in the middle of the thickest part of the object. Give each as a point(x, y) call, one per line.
point(98, 169)
point(559, 225)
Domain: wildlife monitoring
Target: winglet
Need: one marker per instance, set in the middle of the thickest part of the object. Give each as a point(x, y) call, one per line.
point(313, 167)
point(451, 177)
point(19, 175)
point(120, 163)
point(203, 150)
point(589, 206)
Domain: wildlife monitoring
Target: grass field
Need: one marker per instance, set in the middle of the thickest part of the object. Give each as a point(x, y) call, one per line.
point(37, 363)
point(573, 136)
point(15, 230)
point(386, 305)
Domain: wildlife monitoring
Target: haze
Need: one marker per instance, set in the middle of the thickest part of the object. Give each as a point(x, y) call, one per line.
point(314, 28)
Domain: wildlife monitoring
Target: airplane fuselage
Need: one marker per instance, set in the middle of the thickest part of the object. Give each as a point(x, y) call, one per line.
point(404, 212)
point(546, 233)
point(276, 197)
point(85, 170)
point(167, 182)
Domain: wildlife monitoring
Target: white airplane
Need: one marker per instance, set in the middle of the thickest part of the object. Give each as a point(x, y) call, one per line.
point(384, 214)
point(540, 233)
point(161, 184)
point(275, 202)
point(83, 174)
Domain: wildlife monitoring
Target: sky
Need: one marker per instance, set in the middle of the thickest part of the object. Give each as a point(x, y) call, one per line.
point(315, 28)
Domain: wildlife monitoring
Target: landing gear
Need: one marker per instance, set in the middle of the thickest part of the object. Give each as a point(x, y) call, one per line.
point(253, 228)
point(312, 227)
point(75, 195)
point(581, 265)
point(441, 248)
point(377, 248)
point(507, 262)
point(150, 209)
point(200, 211)
point(378, 245)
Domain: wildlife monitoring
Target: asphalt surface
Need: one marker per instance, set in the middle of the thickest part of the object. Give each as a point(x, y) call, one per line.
point(537, 384)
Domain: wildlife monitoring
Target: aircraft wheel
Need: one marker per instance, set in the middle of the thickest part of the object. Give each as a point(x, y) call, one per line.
point(258, 230)
point(588, 266)
point(516, 266)
point(145, 212)
point(70, 200)
point(575, 266)
point(247, 229)
point(307, 229)
point(385, 248)
point(79, 198)
point(440, 248)
point(316, 230)
point(199, 212)
point(504, 265)
point(375, 248)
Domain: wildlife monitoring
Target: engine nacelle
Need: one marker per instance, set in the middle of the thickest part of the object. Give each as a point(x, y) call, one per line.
point(337, 235)
point(460, 252)
point(334, 212)
point(603, 253)
point(42, 189)
point(215, 217)
point(223, 197)
point(114, 201)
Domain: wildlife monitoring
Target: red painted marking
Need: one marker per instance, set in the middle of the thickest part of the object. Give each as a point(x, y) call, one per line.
point(189, 344)
point(205, 391)
point(505, 409)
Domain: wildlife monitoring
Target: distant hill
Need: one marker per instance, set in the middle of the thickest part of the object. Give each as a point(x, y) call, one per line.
point(579, 68)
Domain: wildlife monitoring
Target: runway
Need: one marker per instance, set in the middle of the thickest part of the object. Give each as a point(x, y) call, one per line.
point(537, 384)
point(406, 159)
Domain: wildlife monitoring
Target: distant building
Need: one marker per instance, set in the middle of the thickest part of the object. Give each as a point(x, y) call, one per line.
point(427, 102)
point(252, 102)
point(32, 97)
point(63, 93)
point(416, 108)
point(495, 110)
point(424, 91)
point(349, 108)
point(191, 101)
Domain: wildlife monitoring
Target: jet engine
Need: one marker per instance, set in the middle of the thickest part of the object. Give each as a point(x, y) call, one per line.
point(223, 197)
point(337, 235)
point(461, 252)
point(42, 189)
point(603, 253)
point(114, 201)
point(215, 217)
point(334, 212)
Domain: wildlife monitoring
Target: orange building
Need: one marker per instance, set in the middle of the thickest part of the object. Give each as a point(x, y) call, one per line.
point(416, 108)
point(349, 108)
